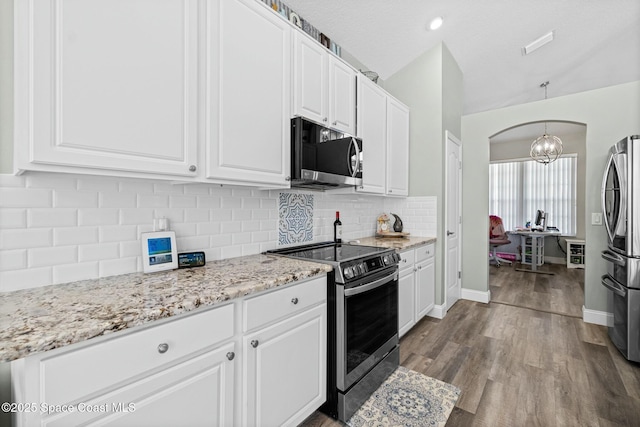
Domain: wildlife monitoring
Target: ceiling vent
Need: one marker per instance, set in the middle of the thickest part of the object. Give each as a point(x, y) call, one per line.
point(538, 43)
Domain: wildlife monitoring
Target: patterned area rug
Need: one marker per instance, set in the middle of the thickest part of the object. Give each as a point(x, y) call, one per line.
point(408, 398)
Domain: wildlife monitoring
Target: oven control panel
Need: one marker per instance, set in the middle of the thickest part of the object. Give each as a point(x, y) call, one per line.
point(362, 267)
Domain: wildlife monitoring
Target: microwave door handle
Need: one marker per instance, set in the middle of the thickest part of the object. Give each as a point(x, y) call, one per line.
point(607, 170)
point(353, 171)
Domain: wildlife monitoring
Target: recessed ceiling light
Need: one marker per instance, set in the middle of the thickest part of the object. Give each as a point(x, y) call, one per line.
point(436, 23)
point(538, 43)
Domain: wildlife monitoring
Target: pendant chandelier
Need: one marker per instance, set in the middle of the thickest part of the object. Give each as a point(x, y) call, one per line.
point(546, 148)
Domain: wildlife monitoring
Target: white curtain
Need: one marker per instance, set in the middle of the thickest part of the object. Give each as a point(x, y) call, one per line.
point(519, 188)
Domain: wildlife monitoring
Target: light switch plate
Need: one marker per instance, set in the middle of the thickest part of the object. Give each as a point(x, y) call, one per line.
point(596, 218)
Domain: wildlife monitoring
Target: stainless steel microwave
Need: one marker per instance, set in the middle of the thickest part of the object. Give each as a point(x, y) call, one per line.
point(322, 158)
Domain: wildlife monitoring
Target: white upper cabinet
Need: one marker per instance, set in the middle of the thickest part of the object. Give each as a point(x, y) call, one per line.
point(108, 85)
point(397, 148)
point(248, 107)
point(372, 128)
point(383, 125)
point(324, 86)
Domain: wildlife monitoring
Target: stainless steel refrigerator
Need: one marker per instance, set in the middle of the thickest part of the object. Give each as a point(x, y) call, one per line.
point(621, 207)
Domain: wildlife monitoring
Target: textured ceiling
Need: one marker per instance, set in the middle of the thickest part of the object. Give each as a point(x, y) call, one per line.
point(597, 42)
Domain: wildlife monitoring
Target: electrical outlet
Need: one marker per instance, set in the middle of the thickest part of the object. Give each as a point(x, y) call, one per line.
point(596, 218)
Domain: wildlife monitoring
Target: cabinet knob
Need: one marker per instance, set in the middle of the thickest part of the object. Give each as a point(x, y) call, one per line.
point(192, 168)
point(325, 119)
point(162, 348)
point(254, 343)
point(288, 178)
point(294, 300)
point(390, 191)
point(231, 355)
point(335, 123)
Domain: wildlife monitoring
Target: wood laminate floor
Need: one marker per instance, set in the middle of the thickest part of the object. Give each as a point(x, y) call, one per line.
point(528, 360)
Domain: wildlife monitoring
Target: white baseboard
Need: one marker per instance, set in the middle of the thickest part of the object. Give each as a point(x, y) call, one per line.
point(438, 311)
point(597, 317)
point(477, 296)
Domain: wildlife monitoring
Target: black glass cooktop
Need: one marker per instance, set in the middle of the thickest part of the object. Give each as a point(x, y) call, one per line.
point(330, 252)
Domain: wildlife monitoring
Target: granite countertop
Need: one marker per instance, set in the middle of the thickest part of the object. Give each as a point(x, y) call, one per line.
point(400, 243)
point(45, 318)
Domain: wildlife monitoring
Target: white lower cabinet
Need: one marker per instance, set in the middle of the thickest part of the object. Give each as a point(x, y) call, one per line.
point(416, 286)
point(189, 371)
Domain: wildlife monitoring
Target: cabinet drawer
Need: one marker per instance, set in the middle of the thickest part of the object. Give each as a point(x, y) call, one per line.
point(83, 372)
point(407, 259)
point(285, 301)
point(426, 251)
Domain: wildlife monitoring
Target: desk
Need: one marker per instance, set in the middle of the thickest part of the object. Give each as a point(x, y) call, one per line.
point(537, 249)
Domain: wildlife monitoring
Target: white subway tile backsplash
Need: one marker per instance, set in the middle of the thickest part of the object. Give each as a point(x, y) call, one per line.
point(75, 199)
point(13, 260)
point(17, 238)
point(22, 198)
point(58, 228)
point(118, 233)
point(153, 201)
point(73, 272)
point(64, 236)
point(98, 216)
point(117, 200)
point(97, 252)
point(13, 218)
point(66, 217)
point(14, 280)
point(43, 257)
point(57, 181)
point(183, 201)
point(113, 267)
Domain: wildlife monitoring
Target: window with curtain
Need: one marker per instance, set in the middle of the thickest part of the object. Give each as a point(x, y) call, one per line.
point(517, 189)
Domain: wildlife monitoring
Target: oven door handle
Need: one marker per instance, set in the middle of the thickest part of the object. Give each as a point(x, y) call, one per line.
point(370, 286)
point(614, 286)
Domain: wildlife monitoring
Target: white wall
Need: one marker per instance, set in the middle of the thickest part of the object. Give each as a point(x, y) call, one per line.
point(609, 113)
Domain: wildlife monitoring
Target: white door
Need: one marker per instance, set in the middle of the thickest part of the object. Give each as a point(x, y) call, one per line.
point(311, 80)
point(453, 219)
point(397, 148)
point(342, 96)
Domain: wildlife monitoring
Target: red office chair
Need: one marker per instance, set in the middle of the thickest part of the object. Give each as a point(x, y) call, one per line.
point(497, 237)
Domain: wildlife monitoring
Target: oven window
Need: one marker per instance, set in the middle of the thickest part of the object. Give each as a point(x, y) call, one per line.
point(372, 319)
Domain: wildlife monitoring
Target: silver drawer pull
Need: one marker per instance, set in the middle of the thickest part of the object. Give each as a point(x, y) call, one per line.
point(231, 355)
point(294, 300)
point(162, 348)
point(254, 343)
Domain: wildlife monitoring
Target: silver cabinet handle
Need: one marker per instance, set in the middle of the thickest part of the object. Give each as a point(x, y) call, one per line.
point(192, 168)
point(231, 355)
point(449, 233)
point(162, 348)
point(335, 123)
point(294, 300)
point(325, 119)
point(254, 343)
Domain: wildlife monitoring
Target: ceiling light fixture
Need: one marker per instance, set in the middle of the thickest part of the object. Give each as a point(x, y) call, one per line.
point(538, 43)
point(436, 23)
point(546, 148)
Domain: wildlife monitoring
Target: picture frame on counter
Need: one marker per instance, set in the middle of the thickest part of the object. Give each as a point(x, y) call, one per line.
point(159, 251)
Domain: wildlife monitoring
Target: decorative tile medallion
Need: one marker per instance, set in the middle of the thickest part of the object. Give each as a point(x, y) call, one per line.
point(295, 223)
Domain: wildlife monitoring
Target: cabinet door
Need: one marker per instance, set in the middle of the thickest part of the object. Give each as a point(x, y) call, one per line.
point(425, 287)
point(109, 85)
point(372, 119)
point(311, 80)
point(197, 392)
point(342, 96)
point(397, 148)
point(406, 301)
point(285, 367)
point(248, 64)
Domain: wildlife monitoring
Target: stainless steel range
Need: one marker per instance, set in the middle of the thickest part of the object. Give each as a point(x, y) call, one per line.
point(362, 317)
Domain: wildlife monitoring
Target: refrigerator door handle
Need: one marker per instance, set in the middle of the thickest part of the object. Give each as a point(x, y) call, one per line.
point(611, 284)
point(613, 257)
point(607, 170)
